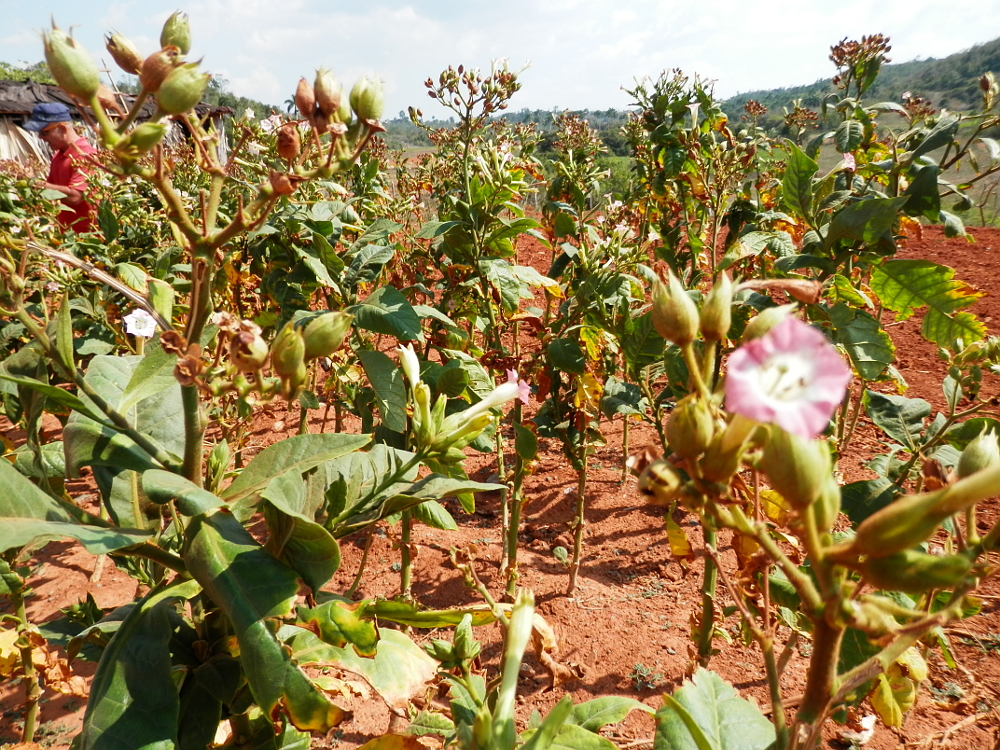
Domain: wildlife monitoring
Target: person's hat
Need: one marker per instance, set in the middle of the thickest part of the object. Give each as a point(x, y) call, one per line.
point(45, 114)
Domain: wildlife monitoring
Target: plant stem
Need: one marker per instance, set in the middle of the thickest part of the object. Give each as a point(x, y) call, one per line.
point(709, 584)
point(32, 685)
point(406, 569)
point(516, 506)
point(581, 489)
point(361, 568)
point(821, 678)
point(505, 498)
point(194, 433)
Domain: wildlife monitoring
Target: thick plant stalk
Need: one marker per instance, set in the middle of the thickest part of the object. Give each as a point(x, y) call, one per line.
point(822, 675)
point(516, 505)
point(709, 584)
point(505, 499)
point(406, 568)
point(581, 489)
point(32, 685)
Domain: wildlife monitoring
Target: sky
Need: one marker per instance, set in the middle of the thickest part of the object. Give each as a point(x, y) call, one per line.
point(581, 54)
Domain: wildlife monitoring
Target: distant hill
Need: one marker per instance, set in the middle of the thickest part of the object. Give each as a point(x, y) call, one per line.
point(950, 83)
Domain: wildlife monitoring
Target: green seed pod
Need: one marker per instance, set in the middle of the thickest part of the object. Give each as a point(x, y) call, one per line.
point(914, 572)
point(288, 351)
point(325, 334)
point(124, 53)
point(72, 68)
point(982, 452)
point(765, 321)
point(910, 520)
point(661, 482)
point(367, 99)
point(292, 384)
point(717, 312)
point(827, 506)
point(141, 140)
point(182, 89)
point(675, 315)
point(248, 351)
point(328, 92)
point(157, 67)
point(344, 114)
point(177, 32)
point(690, 427)
point(797, 468)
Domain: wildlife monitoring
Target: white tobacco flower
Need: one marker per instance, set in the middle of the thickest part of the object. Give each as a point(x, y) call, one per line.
point(140, 323)
point(249, 114)
point(410, 363)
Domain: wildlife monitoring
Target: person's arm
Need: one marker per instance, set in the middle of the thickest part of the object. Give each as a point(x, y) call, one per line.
point(74, 197)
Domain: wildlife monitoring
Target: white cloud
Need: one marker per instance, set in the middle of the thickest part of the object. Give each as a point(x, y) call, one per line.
point(583, 51)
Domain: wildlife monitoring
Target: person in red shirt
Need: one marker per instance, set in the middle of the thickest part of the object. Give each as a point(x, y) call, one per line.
point(70, 165)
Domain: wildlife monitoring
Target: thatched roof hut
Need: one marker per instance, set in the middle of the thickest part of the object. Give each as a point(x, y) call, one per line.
point(18, 98)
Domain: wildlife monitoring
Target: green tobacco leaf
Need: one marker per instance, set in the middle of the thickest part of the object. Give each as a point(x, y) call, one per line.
point(250, 585)
point(295, 538)
point(405, 613)
point(300, 453)
point(544, 737)
point(399, 670)
point(867, 344)
point(571, 737)
point(432, 229)
point(88, 443)
point(165, 487)
point(366, 265)
point(133, 701)
point(905, 286)
point(960, 435)
point(387, 311)
point(899, 417)
point(943, 134)
point(796, 185)
point(620, 398)
point(431, 722)
point(865, 221)
point(567, 356)
point(28, 515)
point(841, 290)
point(609, 709)
point(643, 346)
point(61, 397)
point(432, 513)
point(923, 198)
point(390, 391)
point(848, 136)
point(338, 623)
point(525, 443)
point(858, 500)
point(707, 708)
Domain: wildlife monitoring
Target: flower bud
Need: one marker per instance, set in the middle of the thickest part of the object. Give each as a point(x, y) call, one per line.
point(766, 320)
point(690, 427)
point(982, 452)
point(797, 468)
point(157, 67)
point(141, 140)
point(725, 452)
point(675, 315)
point(305, 100)
point(177, 33)
point(343, 115)
point(71, 67)
point(986, 82)
point(367, 99)
point(248, 351)
point(325, 334)
point(328, 92)
point(717, 312)
point(289, 141)
point(182, 89)
point(914, 572)
point(124, 53)
point(288, 351)
point(661, 482)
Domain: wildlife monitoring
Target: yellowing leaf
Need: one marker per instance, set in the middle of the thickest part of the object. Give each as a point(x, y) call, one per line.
point(680, 547)
point(588, 392)
point(913, 664)
point(773, 505)
point(394, 742)
point(884, 703)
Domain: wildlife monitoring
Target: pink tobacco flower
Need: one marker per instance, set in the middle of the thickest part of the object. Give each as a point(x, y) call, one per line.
point(523, 389)
point(791, 376)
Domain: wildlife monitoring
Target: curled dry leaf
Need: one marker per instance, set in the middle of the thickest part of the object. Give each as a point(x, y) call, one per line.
point(543, 640)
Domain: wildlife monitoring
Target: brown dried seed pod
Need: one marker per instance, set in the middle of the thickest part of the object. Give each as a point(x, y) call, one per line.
point(305, 100)
point(289, 141)
point(157, 67)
